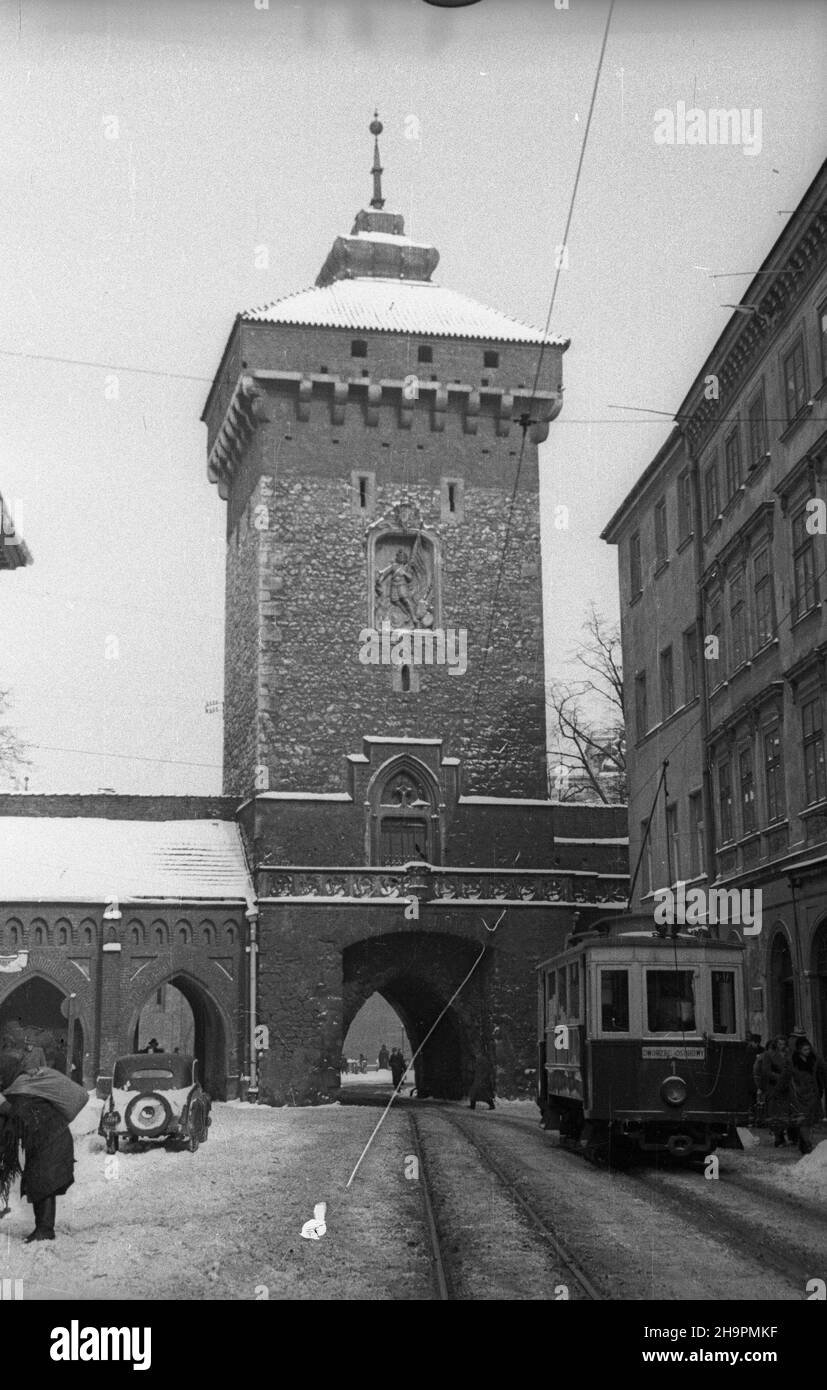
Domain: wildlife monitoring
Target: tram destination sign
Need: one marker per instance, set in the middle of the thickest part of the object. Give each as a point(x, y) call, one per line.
point(683, 1054)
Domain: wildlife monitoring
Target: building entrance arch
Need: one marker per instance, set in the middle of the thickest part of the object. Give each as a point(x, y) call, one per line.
point(417, 973)
point(200, 1027)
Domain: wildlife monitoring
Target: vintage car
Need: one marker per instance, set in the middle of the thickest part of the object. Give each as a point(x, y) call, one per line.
point(156, 1095)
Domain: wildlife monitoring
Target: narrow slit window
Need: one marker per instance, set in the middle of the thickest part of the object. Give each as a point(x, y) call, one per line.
point(363, 492)
point(405, 675)
point(452, 497)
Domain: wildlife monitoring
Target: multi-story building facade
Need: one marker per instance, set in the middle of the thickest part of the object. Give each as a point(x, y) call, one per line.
point(723, 555)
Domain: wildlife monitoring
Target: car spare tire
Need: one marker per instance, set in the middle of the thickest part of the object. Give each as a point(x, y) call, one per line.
point(148, 1115)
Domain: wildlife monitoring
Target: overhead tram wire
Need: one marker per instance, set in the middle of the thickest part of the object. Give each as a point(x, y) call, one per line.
point(540, 357)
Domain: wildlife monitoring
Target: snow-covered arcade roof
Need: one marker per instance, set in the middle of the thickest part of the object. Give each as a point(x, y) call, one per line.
point(89, 859)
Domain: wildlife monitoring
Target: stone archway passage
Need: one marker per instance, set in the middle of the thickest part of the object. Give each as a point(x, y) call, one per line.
point(417, 973)
point(209, 1034)
point(32, 1012)
point(782, 987)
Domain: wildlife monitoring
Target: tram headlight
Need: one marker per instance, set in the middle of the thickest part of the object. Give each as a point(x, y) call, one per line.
point(674, 1090)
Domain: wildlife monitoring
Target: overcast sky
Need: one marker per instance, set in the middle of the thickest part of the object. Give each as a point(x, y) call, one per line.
point(148, 151)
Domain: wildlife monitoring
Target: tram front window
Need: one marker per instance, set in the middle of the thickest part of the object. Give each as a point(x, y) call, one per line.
point(723, 1001)
point(614, 1001)
point(670, 1001)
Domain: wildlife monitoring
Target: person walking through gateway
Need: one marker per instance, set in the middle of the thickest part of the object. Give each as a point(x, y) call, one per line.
point(398, 1067)
point(482, 1087)
point(384, 1057)
point(41, 1129)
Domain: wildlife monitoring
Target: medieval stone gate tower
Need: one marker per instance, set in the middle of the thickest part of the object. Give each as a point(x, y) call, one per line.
point(381, 708)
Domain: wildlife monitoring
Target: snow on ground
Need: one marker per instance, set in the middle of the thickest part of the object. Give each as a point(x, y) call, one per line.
point(225, 1222)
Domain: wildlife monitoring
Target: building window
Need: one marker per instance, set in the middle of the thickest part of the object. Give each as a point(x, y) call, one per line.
point(737, 620)
point(822, 339)
point(757, 418)
point(363, 491)
point(490, 358)
point(667, 684)
point(774, 775)
point(661, 535)
point(634, 564)
point(690, 664)
point(401, 839)
point(747, 780)
point(614, 1001)
point(795, 380)
point(674, 872)
point(724, 801)
point(358, 348)
point(713, 629)
point(641, 713)
point(813, 739)
point(452, 497)
point(763, 590)
point(684, 504)
point(805, 584)
point(711, 492)
point(732, 462)
point(697, 853)
point(424, 353)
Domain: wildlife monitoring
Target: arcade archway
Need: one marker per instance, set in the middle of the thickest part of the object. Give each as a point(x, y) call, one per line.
point(181, 1015)
point(37, 1012)
point(417, 973)
point(782, 986)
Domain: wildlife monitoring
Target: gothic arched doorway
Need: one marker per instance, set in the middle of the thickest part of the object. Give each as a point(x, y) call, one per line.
point(181, 1015)
point(34, 1012)
point(782, 987)
point(819, 981)
point(417, 974)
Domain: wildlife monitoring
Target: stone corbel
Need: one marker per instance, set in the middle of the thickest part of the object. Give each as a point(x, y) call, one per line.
point(504, 413)
point(340, 395)
point(440, 407)
point(304, 398)
point(470, 419)
point(374, 401)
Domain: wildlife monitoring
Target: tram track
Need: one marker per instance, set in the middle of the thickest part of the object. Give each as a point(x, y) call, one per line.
point(577, 1282)
point(717, 1209)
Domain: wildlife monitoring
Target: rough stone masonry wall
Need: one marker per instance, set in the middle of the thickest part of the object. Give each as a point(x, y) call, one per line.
point(308, 600)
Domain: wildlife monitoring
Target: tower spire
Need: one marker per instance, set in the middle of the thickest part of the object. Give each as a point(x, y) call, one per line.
point(376, 128)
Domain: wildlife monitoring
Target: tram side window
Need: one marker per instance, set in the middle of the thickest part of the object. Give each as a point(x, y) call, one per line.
point(562, 993)
point(614, 1001)
point(723, 1001)
point(574, 990)
point(670, 1001)
point(551, 995)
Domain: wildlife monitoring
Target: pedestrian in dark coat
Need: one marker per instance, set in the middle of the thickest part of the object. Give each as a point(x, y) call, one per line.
point(384, 1057)
point(398, 1067)
point(482, 1088)
point(806, 1101)
point(775, 1081)
point(39, 1128)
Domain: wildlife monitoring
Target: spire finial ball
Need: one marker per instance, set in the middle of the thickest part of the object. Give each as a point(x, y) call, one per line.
point(376, 126)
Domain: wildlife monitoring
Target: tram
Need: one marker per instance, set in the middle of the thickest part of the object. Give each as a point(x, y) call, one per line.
point(642, 1041)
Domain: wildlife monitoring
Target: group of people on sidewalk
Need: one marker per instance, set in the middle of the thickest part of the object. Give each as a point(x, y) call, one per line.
point(791, 1079)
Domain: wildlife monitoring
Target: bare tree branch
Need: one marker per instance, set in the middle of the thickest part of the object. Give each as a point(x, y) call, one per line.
point(587, 718)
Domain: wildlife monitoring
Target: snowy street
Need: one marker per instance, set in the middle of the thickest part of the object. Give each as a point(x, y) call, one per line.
point(225, 1223)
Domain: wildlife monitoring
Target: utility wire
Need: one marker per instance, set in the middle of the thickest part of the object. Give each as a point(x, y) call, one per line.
point(541, 355)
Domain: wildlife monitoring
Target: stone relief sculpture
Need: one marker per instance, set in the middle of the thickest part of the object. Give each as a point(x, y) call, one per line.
point(403, 588)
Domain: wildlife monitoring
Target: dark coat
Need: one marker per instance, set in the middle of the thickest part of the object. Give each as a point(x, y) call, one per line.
point(398, 1068)
point(806, 1101)
point(774, 1076)
point(482, 1087)
point(48, 1148)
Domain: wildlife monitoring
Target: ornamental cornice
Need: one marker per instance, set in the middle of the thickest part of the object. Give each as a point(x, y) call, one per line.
point(787, 285)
